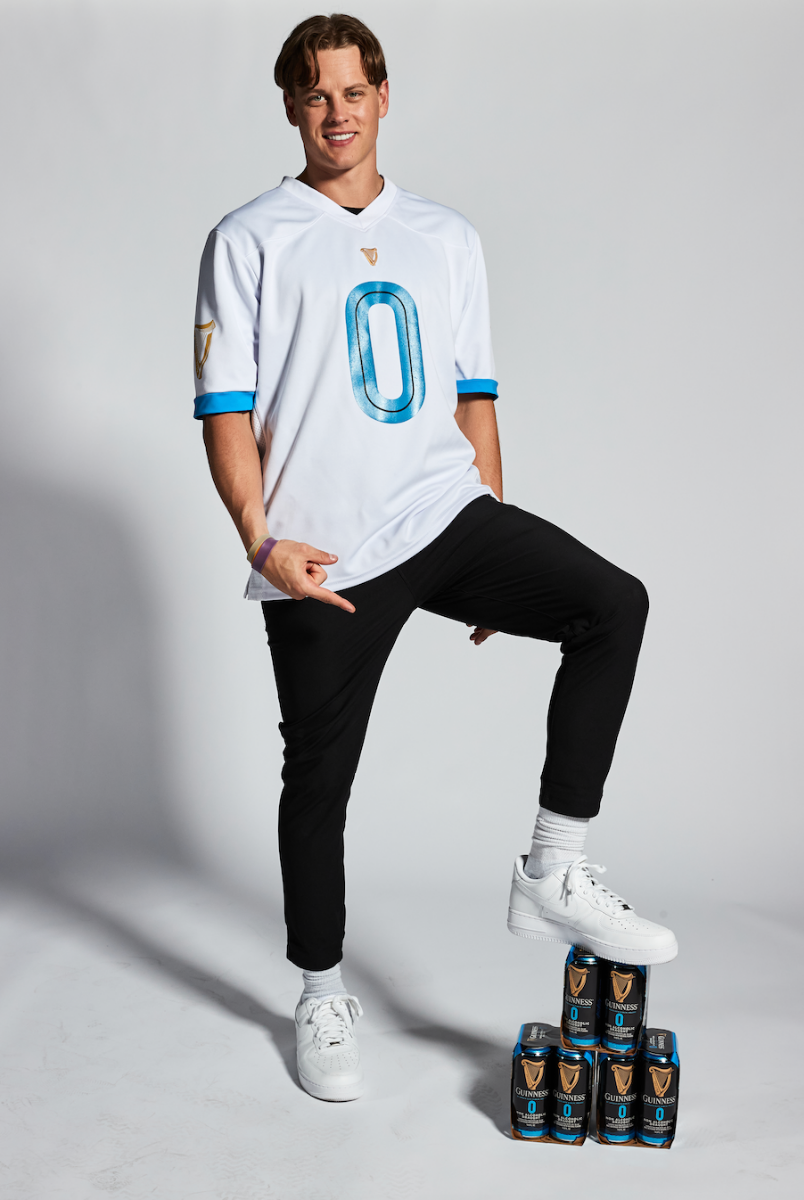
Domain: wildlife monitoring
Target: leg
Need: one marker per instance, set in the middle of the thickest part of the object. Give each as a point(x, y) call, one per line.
point(327, 665)
point(524, 576)
point(501, 568)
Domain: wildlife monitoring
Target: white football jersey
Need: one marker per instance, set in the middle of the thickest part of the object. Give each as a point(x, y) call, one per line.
point(348, 338)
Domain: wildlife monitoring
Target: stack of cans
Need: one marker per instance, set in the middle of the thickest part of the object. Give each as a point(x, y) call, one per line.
point(600, 1067)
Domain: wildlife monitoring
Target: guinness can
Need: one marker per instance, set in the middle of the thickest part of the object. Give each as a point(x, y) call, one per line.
point(617, 1092)
point(657, 1108)
point(532, 1081)
point(572, 1096)
point(580, 1020)
point(623, 1004)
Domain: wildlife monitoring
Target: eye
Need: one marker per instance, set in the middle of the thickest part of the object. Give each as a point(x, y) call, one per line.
point(314, 99)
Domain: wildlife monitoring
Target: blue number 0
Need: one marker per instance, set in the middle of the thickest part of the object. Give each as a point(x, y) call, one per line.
point(361, 356)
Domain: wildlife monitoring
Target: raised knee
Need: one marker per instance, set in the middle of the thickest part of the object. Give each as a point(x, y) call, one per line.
point(630, 599)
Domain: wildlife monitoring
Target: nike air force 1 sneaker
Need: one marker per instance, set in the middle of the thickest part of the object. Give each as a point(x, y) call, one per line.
point(327, 1055)
point(569, 905)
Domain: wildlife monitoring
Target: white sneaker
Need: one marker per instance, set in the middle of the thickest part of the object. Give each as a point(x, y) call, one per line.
point(568, 905)
point(327, 1055)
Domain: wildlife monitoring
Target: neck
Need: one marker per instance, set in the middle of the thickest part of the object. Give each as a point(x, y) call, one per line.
point(353, 189)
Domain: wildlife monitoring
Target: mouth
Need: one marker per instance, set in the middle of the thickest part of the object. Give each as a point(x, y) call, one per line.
point(340, 139)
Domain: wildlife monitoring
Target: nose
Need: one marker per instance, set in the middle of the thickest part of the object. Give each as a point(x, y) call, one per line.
point(337, 112)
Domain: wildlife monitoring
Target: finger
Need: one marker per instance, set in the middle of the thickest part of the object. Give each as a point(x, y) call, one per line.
point(328, 597)
point(316, 573)
point(319, 556)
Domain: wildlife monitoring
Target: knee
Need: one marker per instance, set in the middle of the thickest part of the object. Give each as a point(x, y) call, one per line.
point(628, 600)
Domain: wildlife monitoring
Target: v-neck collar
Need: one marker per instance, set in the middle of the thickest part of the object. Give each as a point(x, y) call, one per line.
point(370, 214)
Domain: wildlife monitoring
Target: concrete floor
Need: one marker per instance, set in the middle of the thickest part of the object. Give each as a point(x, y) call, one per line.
point(146, 1040)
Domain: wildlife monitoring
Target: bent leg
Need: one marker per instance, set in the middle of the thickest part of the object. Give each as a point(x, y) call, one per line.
point(327, 664)
point(522, 575)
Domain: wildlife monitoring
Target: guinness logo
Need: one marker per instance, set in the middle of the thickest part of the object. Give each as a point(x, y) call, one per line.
point(371, 255)
point(533, 1073)
point(621, 985)
point(622, 1076)
point(577, 978)
point(661, 1077)
point(203, 336)
point(570, 1073)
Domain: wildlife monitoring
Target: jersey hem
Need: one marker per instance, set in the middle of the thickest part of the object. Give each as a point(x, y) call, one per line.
point(258, 583)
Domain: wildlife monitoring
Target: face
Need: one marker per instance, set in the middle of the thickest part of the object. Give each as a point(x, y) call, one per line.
point(339, 118)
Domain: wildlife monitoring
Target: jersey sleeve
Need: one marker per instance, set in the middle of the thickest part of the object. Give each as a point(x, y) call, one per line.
point(226, 330)
point(474, 358)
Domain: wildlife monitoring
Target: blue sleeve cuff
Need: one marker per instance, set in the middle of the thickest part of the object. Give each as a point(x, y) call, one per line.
point(477, 385)
point(218, 402)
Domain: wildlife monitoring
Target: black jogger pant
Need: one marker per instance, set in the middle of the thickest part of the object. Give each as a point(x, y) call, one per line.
point(497, 567)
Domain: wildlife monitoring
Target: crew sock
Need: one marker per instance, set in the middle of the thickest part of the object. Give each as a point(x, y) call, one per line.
point(557, 840)
point(319, 985)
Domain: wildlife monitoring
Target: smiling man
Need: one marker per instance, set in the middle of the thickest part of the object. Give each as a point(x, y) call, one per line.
point(345, 379)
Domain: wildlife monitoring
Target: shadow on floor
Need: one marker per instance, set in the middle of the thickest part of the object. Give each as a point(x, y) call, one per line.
point(178, 968)
point(489, 1059)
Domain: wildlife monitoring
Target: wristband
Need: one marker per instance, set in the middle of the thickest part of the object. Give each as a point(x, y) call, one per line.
point(254, 547)
point(261, 557)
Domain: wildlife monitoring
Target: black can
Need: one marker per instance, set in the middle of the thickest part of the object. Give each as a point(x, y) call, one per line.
point(657, 1108)
point(572, 1096)
point(531, 1086)
point(580, 1020)
point(617, 1093)
point(623, 1005)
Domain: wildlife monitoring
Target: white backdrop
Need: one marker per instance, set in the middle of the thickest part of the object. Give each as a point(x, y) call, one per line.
point(635, 173)
point(634, 169)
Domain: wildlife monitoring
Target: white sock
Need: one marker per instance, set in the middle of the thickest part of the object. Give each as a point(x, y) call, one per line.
point(557, 840)
point(320, 984)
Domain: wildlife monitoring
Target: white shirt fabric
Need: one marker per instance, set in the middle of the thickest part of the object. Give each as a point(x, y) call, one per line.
point(348, 338)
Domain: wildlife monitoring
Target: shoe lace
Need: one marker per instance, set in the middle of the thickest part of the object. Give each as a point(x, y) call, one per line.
point(580, 870)
point(332, 1020)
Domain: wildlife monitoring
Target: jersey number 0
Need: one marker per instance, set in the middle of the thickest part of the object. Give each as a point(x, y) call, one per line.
point(361, 356)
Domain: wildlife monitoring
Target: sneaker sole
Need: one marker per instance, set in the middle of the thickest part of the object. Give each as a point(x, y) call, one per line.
point(337, 1095)
point(543, 930)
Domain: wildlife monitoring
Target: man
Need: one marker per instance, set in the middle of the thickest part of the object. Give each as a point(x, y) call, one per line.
point(345, 378)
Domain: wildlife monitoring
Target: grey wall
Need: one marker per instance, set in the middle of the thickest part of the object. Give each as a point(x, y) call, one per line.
point(634, 169)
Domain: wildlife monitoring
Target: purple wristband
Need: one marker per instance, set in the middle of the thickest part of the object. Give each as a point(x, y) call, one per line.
point(261, 557)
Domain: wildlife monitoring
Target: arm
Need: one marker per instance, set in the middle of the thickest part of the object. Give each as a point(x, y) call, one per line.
point(293, 567)
point(477, 421)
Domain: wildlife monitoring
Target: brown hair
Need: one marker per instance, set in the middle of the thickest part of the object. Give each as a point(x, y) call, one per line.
point(297, 65)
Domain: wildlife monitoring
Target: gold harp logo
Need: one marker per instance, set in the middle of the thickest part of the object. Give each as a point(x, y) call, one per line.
point(371, 255)
point(622, 1077)
point(577, 979)
point(533, 1073)
point(569, 1075)
point(661, 1077)
point(203, 336)
point(621, 984)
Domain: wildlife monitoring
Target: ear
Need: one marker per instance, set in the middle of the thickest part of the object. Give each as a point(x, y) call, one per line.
point(290, 109)
point(382, 92)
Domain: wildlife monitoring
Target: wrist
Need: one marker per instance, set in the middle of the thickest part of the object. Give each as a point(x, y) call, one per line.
point(259, 552)
point(253, 547)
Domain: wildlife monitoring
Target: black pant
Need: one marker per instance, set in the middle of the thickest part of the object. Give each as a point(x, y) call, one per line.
point(495, 566)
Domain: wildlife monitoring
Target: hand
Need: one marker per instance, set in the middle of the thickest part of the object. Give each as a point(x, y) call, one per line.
point(296, 569)
point(479, 636)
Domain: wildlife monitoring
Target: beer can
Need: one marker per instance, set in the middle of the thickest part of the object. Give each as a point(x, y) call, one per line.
point(617, 1092)
point(623, 1007)
point(532, 1073)
point(571, 1099)
point(580, 1020)
point(657, 1107)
